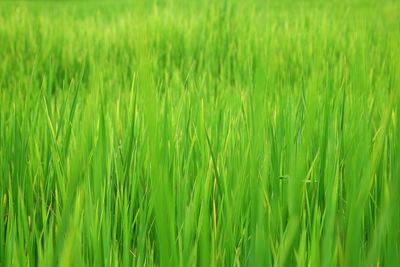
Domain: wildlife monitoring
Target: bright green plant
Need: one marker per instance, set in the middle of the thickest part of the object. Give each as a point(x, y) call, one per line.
point(195, 133)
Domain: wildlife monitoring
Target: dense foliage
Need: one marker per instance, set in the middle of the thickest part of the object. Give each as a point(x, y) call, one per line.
point(209, 133)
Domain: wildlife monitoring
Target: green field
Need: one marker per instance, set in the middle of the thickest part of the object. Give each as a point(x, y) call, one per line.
point(200, 133)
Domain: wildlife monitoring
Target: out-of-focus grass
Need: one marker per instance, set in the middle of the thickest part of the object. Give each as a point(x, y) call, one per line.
point(179, 133)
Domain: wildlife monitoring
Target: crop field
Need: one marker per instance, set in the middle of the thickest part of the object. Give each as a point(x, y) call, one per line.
point(200, 133)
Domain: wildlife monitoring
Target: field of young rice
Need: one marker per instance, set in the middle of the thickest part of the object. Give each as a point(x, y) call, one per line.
point(200, 133)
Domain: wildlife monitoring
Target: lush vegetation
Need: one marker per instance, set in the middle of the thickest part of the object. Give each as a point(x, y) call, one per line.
point(186, 133)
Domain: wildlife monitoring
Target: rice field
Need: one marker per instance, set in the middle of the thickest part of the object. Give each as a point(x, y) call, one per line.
point(200, 133)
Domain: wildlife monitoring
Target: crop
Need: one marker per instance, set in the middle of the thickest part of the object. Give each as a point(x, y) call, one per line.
point(200, 133)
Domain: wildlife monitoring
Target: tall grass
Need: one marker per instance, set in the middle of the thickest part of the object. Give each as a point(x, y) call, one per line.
point(200, 134)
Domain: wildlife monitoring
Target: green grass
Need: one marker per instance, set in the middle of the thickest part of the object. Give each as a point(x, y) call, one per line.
point(200, 133)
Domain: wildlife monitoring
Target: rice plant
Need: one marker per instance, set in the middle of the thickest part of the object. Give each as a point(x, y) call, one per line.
point(200, 133)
